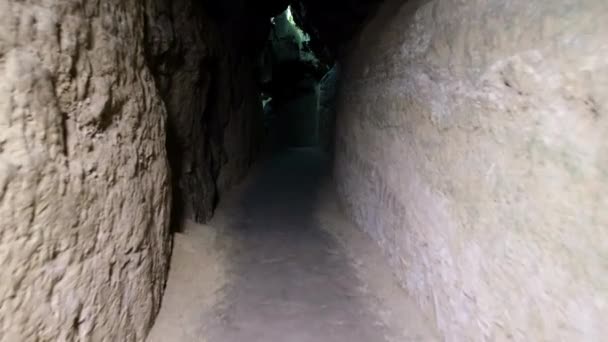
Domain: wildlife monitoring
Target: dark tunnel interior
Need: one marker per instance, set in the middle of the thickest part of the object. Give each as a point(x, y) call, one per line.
point(303, 170)
point(284, 53)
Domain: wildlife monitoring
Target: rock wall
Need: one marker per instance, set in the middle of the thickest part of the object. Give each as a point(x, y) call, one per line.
point(327, 108)
point(208, 82)
point(471, 145)
point(84, 186)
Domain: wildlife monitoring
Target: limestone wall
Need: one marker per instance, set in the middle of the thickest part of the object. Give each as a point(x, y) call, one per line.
point(84, 187)
point(213, 101)
point(472, 146)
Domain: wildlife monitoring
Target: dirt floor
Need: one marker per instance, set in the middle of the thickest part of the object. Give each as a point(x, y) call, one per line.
point(279, 262)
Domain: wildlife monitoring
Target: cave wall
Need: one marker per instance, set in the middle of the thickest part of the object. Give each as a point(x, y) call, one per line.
point(207, 78)
point(327, 108)
point(471, 145)
point(84, 184)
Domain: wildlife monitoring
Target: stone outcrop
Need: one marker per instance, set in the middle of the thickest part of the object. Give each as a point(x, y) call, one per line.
point(472, 146)
point(84, 184)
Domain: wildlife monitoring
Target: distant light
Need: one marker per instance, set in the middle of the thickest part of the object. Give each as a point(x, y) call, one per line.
point(289, 15)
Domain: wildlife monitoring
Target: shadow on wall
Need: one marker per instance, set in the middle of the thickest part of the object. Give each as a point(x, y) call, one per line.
point(327, 109)
point(207, 82)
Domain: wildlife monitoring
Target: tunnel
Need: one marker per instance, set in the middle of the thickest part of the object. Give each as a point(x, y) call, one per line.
point(303, 170)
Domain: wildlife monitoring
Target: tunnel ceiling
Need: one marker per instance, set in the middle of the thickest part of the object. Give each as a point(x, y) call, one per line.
point(227, 9)
point(246, 24)
point(331, 23)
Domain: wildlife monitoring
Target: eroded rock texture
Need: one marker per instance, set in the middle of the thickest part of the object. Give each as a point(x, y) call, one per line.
point(471, 146)
point(84, 187)
point(205, 66)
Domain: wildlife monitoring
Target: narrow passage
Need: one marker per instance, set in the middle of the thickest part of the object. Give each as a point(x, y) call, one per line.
point(283, 277)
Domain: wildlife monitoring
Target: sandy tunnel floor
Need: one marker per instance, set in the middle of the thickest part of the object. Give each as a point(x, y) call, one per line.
point(279, 262)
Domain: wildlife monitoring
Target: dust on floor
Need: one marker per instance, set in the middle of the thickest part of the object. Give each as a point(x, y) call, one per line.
point(280, 263)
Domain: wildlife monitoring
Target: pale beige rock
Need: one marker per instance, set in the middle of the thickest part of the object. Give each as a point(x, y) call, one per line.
point(84, 188)
point(472, 146)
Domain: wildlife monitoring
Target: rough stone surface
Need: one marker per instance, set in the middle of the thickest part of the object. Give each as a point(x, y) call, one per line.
point(213, 101)
point(471, 146)
point(84, 187)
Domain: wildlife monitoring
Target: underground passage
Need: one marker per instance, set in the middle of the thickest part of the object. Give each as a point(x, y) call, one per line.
point(303, 170)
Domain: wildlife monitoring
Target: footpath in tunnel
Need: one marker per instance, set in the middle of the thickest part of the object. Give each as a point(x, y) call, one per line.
point(267, 268)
